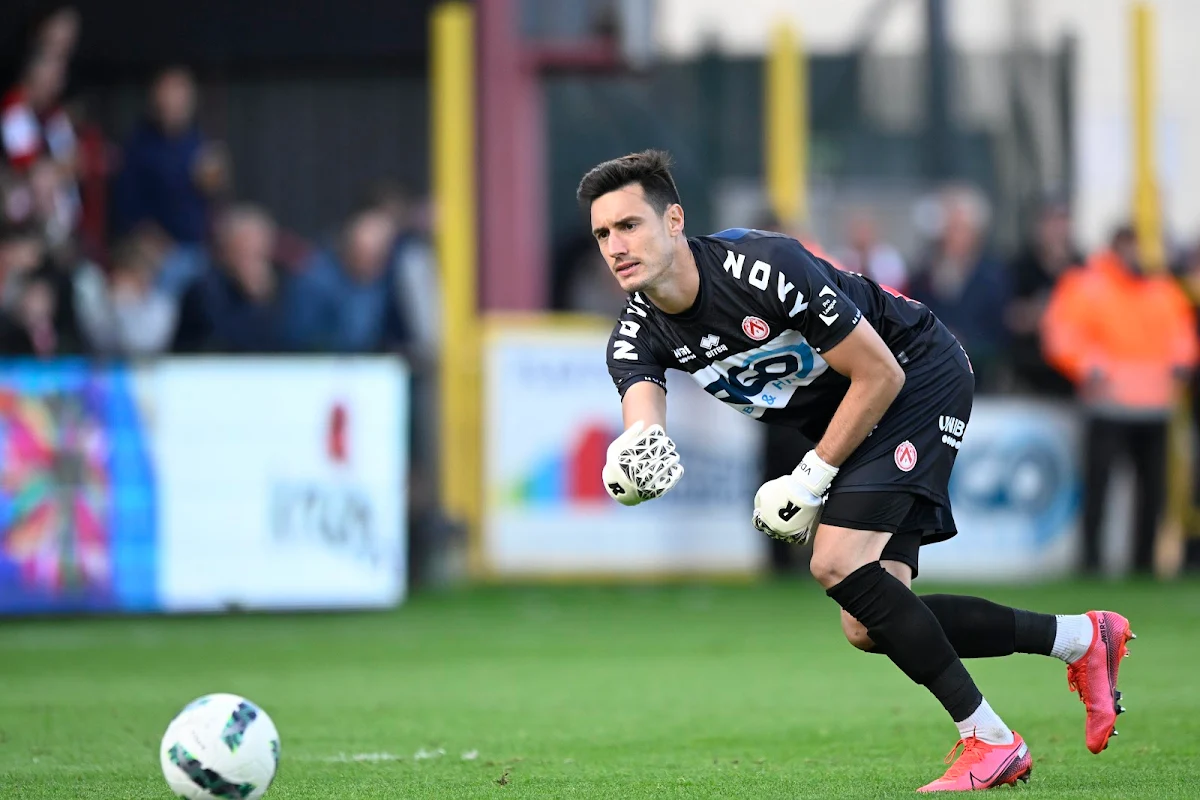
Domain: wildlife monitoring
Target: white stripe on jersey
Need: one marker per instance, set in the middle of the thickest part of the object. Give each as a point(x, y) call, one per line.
point(766, 377)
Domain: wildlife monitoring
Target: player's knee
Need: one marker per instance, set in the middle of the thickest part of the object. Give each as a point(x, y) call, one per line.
point(856, 633)
point(829, 570)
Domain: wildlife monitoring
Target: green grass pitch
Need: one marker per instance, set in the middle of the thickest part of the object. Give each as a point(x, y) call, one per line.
point(683, 691)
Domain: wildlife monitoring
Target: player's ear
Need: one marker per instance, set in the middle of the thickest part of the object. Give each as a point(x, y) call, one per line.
point(674, 217)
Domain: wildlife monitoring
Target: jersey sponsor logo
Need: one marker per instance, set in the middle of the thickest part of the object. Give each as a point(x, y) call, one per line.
point(759, 276)
point(952, 429)
point(906, 456)
point(630, 328)
point(952, 425)
point(765, 377)
point(712, 346)
point(756, 328)
point(683, 354)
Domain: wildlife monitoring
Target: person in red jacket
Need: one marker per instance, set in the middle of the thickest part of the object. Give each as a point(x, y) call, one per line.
point(32, 123)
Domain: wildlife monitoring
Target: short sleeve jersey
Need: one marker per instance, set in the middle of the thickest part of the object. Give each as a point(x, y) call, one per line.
point(766, 311)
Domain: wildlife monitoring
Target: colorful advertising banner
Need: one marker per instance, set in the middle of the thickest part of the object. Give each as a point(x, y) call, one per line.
point(78, 499)
point(202, 485)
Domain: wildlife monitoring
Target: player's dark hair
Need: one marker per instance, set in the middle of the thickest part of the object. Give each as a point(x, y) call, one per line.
point(650, 169)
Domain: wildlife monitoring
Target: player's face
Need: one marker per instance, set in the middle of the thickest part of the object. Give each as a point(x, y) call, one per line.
point(636, 241)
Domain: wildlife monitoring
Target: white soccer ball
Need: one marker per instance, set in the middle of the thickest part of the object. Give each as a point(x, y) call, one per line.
point(220, 747)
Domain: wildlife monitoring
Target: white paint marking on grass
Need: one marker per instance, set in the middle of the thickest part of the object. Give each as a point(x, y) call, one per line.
point(342, 758)
point(470, 755)
point(423, 754)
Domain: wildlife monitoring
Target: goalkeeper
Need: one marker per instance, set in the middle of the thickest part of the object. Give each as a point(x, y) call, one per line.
point(885, 391)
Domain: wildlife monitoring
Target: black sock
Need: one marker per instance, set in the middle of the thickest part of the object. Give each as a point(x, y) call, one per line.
point(910, 634)
point(1035, 632)
point(979, 628)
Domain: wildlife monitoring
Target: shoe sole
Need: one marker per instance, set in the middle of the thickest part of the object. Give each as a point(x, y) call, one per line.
point(1020, 770)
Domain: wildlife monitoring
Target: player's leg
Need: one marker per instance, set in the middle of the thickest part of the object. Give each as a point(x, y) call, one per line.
point(855, 631)
point(978, 628)
point(1092, 645)
point(846, 562)
point(909, 454)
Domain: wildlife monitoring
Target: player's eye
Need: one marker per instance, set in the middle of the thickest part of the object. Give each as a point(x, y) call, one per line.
point(628, 225)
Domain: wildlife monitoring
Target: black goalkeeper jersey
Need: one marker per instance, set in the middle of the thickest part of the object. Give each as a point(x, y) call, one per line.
point(766, 310)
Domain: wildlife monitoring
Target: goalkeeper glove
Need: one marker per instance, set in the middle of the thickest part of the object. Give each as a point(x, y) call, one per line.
point(788, 508)
point(641, 465)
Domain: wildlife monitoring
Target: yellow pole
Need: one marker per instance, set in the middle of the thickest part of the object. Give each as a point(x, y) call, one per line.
point(1146, 208)
point(785, 103)
point(452, 97)
point(1147, 219)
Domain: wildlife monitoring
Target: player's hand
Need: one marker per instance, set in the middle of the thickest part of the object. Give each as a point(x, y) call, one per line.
point(788, 508)
point(641, 465)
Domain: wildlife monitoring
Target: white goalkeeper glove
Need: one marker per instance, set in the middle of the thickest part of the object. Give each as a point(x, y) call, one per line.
point(641, 465)
point(789, 507)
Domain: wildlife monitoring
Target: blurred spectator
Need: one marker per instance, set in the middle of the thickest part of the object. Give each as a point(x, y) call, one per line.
point(170, 172)
point(964, 286)
point(346, 297)
point(238, 305)
point(123, 313)
point(867, 255)
point(21, 253)
point(55, 208)
point(1035, 271)
point(1127, 341)
point(36, 305)
point(418, 291)
point(32, 123)
point(16, 199)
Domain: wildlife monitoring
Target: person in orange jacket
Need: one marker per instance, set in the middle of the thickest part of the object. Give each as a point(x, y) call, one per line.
point(1127, 340)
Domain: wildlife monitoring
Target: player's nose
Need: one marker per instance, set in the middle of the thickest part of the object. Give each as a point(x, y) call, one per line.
point(615, 245)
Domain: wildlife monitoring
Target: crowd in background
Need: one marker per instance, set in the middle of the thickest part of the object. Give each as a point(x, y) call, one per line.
point(131, 244)
point(159, 254)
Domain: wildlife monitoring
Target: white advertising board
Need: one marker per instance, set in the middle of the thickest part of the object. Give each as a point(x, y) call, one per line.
point(282, 482)
point(550, 412)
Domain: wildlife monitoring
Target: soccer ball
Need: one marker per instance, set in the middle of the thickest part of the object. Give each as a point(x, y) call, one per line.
point(220, 746)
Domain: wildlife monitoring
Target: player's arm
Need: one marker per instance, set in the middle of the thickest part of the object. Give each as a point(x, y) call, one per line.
point(875, 380)
point(645, 401)
point(788, 507)
point(641, 463)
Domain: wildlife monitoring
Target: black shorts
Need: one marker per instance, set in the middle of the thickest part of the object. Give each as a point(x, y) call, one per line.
point(911, 520)
point(910, 453)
